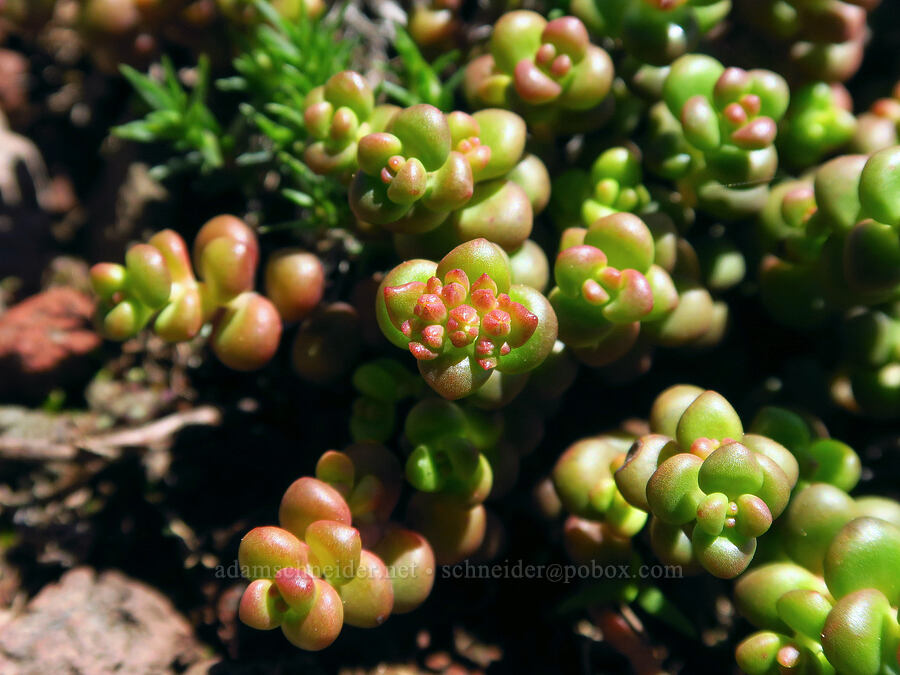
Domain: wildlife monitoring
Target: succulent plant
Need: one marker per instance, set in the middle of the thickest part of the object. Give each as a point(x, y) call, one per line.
point(461, 318)
point(878, 128)
point(447, 456)
point(833, 240)
point(842, 621)
point(658, 164)
point(623, 277)
point(821, 459)
point(434, 23)
point(583, 479)
point(716, 134)
point(548, 71)
point(819, 121)
point(822, 40)
point(381, 384)
point(157, 285)
point(652, 31)
point(465, 174)
point(336, 558)
point(872, 360)
point(295, 283)
point(614, 184)
point(700, 476)
point(338, 114)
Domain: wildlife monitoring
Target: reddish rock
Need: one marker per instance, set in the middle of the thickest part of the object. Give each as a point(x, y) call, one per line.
point(98, 623)
point(42, 336)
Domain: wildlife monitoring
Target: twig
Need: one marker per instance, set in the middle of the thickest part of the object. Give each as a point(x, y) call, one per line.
point(36, 450)
point(108, 445)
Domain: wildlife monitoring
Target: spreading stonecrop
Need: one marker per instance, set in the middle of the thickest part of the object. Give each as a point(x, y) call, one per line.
point(819, 121)
point(655, 32)
point(820, 458)
point(415, 169)
point(614, 184)
point(834, 252)
point(548, 71)
point(821, 40)
point(462, 318)
point(711, 489)
point(583, 480)
point(618, 280)
point(716, 133)
point(871, 365)
point(879, 127)
point(336, 557)
point(841, 619)
point(658, 163)
point(157, 286)
point(337, 114)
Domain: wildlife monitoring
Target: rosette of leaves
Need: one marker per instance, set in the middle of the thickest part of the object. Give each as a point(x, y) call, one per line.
point(822, 40)
point(839, 239)
point(614, 184)
point(816, 514)
point(607, 284)
point(652, 31)
point(711, 489)
point(843, 620)
point(698, 318)
point(447, 451)
point(157, 284)
point(312, 574)
point(716, 135)
point(600, 526)
point(462, 318)
point(509, 187)
point(338, 114)
point(502, 209)
point(819, 121)
point(409, 177)
point(879, 126)
point(477, 182)
point(548, 71)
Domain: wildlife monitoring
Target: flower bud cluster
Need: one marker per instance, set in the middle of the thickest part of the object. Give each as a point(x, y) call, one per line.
point(461, 318)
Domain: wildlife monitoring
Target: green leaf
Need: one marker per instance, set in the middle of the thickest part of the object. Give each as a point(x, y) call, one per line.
point(153, 94)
